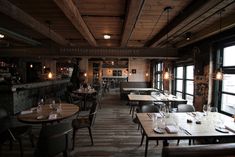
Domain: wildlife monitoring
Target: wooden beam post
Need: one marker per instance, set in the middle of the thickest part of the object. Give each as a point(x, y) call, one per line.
point(72, 13)
point(135, 8)
point(19, 15)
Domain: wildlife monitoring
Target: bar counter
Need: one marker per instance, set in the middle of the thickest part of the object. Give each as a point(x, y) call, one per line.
point(16, 98)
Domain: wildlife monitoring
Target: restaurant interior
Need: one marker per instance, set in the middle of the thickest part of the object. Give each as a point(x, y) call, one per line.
point(117, 78)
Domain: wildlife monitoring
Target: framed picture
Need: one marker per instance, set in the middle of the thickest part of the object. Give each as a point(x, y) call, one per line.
point(119, 72)
point(133, 71)
point(115, 73)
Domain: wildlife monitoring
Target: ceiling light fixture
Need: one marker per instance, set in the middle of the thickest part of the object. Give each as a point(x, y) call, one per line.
point(167, 74)
point(219, 73)
point(1, 36)
point(188, 35)
point(107, 36)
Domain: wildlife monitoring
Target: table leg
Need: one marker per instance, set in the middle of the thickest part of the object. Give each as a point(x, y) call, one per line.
point(146, 147)
point(165, 143)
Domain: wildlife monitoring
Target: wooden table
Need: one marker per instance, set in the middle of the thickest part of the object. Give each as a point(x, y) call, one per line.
point(67, 110)
point(139, 89)
point(134, 97)
point(204, 130)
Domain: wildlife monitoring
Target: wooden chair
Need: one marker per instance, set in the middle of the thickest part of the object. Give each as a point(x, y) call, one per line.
point(11, 133)
point(53, 140)
point(85, 121)
point(185, 108)
point(150, 108)
point(133, 104)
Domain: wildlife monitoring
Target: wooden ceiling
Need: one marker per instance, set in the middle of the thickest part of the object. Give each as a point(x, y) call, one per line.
point(131, 23)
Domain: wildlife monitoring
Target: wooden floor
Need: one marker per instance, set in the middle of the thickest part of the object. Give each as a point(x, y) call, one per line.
point(114, 133)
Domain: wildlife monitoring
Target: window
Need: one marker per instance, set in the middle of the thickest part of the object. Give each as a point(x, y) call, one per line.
point(227, 96)
point(158, 77)
point(184, 83)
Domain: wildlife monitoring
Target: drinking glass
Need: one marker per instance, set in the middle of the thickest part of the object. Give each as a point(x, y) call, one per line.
point(205, 109)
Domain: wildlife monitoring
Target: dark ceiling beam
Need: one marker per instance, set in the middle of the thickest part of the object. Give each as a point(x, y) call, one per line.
point(134, 9)
point(19, 37)
point(228, 22)
point(72, 13)
point(194, 6)
point(160, 53)
point(19, 15)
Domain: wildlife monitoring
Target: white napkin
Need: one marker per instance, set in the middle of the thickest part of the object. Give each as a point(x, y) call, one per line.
point(171, 129)
point(52, 116)
point(26, 112)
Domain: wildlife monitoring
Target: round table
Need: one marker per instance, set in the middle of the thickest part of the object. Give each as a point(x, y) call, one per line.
point(67, 110)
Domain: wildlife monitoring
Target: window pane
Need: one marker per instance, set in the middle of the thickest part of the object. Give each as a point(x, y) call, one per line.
point(189, 87)
point(179, 95)
point(228, 59)
point(189, 72)
point(227, 103)
point(228, 83)
point(189, 99)
point(179, 72)
point(179, 84)
point(158, 77)
point(159, 67)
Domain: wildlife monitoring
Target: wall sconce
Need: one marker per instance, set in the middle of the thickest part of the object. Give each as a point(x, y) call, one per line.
point(44, 67)
point(85, 74)
point(146, 74)
point(130, 74)
point(31, 65)
point(50, 75)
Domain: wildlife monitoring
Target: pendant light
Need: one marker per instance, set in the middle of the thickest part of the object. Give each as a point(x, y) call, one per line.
point(219, 73)
point(167, 74)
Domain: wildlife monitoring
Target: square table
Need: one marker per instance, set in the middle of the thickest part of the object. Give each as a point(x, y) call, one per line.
point(186, 130)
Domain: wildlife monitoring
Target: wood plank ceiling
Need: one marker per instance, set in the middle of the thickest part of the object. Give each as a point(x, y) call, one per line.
point(131, 23)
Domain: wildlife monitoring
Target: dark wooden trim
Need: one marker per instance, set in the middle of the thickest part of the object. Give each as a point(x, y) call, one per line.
point(135, 7)
point(72, 13)
point(19, 15)
point(186, 12)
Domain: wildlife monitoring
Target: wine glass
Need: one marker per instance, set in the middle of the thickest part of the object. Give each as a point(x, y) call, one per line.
point(205, 109)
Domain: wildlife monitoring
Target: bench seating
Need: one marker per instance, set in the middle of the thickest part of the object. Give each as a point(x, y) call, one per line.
point(123, 94)
point(210, 150)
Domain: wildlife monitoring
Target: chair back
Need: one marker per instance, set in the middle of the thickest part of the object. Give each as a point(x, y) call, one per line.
point(185, 108)
point(53, 139)
point(149, 109)
point(5, 120)
point(93, 111)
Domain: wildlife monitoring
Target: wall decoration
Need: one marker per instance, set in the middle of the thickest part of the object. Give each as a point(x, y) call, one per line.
point(119, 72)
point(133, 71)
point(115, 73)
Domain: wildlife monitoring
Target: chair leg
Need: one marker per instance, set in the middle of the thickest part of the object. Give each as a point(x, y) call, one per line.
point(74, 134)
point(142, 139)
point(21, 149)
point(65, 153)
point(31, 139)
point(89, 128)
point(178, 142)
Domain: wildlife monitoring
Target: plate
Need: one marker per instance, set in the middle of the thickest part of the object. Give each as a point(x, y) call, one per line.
point(159, 130)
point(40, 117)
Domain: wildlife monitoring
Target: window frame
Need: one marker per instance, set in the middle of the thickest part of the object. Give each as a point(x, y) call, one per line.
point(219, 84)
point(159, 82)
point(184, 82)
